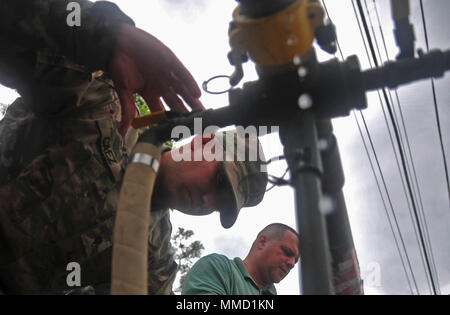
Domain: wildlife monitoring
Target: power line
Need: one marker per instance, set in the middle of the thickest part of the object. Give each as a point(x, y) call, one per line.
point(382, 177)
point(393, 121)
point(392, 144)
point(392, 141)
point(396, 121)
point(408, 201)
point(400, 111)
point(419, 195)
point(436, 110)
point(369, 39)
point(392, 102)
point(390, 203)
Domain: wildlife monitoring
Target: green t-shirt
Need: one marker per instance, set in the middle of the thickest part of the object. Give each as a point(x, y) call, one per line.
point(216, 274)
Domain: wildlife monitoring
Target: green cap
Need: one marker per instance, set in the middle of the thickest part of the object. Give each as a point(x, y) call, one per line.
point(245, 172)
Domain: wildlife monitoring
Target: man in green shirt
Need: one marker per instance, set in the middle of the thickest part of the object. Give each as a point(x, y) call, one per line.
point(273, 254)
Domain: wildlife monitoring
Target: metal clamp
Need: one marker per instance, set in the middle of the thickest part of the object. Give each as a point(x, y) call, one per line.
point(147, 160)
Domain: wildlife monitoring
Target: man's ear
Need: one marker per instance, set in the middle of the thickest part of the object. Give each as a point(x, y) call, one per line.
point(261, 241)
point(201, 140)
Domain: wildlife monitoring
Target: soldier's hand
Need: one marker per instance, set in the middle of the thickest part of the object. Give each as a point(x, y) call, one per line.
point(142, 64)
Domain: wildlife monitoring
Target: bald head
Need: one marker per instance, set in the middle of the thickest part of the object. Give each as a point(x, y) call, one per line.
point(276, 231)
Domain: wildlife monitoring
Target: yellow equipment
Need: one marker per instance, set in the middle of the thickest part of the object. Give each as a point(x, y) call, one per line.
point(277, 39)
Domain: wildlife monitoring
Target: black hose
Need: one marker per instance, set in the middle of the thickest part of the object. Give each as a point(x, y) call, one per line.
point(393, 74)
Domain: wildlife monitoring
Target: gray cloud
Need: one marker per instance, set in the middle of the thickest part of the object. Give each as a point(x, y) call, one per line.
point(232, 246)
point(185, 9)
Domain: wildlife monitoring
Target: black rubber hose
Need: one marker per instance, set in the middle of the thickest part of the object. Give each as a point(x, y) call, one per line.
point(393, 74)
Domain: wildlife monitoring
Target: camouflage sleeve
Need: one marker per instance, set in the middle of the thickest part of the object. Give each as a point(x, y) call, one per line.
point(162, 267)
point(36, 24)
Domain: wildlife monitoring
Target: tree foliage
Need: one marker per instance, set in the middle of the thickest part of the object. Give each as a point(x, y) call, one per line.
point(144, 110)
point(141, 104)
point(185, 253)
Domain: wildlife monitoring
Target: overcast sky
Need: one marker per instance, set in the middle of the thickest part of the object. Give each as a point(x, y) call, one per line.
point(196, 30)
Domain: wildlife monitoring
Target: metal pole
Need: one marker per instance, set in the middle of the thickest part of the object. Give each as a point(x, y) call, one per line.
point(340, 237)
point(299, 137)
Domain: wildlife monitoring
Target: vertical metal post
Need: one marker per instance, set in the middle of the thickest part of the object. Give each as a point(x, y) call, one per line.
point(299, 137)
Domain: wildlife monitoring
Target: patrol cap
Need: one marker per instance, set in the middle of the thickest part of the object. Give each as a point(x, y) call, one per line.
point(242, 164)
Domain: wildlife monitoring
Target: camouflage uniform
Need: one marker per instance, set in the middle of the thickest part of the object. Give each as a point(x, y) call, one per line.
point(61, 156)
